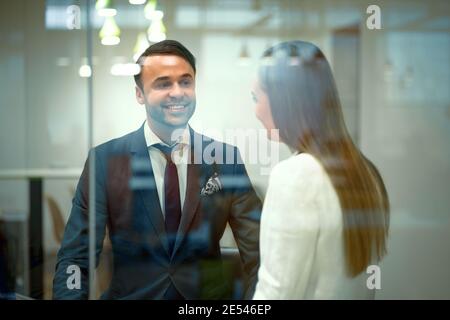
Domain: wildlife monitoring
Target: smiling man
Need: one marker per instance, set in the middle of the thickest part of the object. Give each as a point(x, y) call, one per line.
point(166, 86)
point(164, 219)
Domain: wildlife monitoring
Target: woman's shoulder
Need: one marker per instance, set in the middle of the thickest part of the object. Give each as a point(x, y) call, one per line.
point(302, 165)
point(300, 173)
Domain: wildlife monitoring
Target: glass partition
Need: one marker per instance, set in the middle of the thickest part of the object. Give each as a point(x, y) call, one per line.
point(67, 89)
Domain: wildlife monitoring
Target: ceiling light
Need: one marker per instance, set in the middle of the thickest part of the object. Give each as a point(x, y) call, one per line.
point(157, 31)
point(137, 1)
point(85, 71)
point(141, 45)
point(105, 8)
point(244, 58)
point(110, 32)
point(151, 11)
point(125, 69)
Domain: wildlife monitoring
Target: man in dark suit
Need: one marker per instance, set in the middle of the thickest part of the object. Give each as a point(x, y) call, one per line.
point(165, 193)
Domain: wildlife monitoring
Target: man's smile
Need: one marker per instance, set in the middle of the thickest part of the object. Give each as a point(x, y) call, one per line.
point(176, 108)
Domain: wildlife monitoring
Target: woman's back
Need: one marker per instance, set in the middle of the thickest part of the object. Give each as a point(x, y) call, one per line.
point(302, 242)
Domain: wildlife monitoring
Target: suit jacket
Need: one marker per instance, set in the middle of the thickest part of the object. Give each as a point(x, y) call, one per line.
point(127, 204)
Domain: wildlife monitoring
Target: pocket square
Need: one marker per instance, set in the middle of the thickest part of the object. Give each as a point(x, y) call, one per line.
point(212, 186)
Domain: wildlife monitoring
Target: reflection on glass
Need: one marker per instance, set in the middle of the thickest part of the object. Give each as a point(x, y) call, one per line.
point(110, 32)
point(393, 84)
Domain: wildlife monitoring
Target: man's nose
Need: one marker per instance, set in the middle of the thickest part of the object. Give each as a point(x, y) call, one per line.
point(176, 91)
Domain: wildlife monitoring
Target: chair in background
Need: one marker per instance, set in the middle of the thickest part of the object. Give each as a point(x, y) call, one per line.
point(57, 219)
point(104, 272)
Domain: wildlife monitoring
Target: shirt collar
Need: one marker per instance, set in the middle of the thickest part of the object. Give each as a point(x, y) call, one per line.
point(151, 138)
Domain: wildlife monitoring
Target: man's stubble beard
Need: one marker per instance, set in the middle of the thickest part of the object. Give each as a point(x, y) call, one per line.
point(157, 116)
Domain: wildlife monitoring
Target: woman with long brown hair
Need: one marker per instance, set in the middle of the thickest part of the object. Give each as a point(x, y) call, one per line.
point(326, 211)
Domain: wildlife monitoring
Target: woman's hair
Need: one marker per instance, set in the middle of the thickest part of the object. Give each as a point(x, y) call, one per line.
point(306, 110)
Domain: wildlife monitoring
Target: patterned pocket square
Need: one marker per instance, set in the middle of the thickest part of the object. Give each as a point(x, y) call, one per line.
point(212, 186)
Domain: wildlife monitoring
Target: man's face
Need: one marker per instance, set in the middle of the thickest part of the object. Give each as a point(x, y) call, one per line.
point(168, 90)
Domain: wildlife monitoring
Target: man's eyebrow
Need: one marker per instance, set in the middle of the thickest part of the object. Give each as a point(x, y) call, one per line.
point(186, 75)
point(161, 79)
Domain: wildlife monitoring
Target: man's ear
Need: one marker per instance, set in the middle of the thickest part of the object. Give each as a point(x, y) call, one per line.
point(140, 95)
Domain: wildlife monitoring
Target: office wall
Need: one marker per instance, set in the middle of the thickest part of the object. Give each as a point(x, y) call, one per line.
point(12, 101)
point(405, 130)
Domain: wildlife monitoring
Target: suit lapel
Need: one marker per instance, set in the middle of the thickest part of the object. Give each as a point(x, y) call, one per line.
point(148, 194)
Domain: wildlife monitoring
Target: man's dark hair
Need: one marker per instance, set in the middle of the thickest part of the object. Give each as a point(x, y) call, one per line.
point(166, 47)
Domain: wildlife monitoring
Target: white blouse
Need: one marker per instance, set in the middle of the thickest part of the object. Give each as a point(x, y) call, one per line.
point(301, 238)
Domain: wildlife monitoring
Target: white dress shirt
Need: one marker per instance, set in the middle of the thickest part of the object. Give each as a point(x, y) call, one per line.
point(159, 162)
point(301, 238)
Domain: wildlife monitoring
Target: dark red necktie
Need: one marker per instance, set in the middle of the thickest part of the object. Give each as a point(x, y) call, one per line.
point(172, 202)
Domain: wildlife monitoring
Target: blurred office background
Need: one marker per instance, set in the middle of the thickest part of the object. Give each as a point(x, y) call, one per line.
point(393, 83)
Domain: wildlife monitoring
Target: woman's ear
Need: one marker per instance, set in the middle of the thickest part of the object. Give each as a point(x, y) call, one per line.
point(140, 95)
